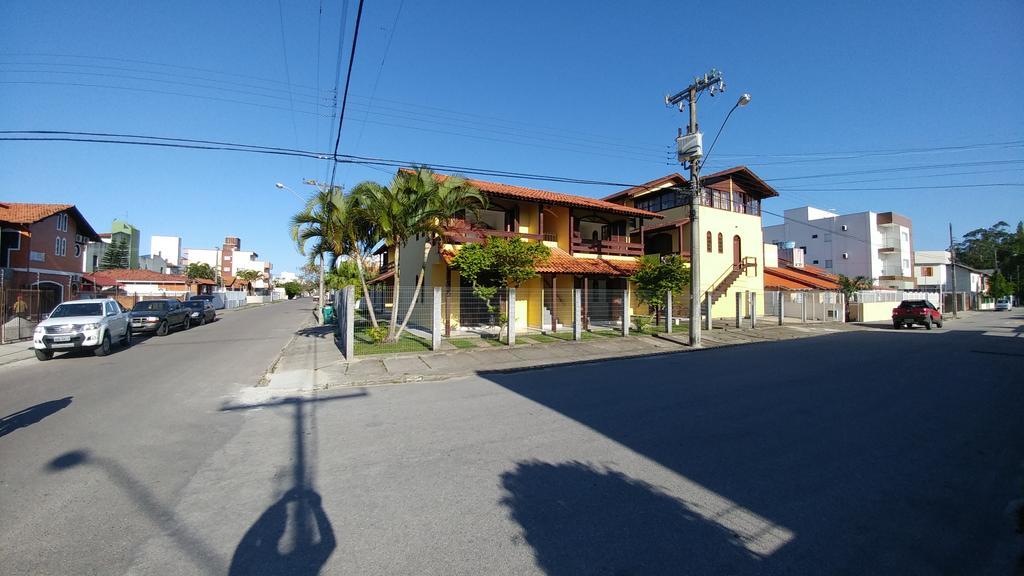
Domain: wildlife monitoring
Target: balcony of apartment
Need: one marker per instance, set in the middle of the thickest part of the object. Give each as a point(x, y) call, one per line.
point(503, 223)
point(596, 234)
point(675, 197)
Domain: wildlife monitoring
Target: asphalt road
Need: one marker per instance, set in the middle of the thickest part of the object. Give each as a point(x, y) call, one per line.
point(877, 452)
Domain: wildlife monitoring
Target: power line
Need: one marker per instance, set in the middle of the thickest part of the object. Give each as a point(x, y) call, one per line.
point(934, 187)
point(858, 154)
point(228, 148)
point(287, 70)
point(344, 98)
point(899, 169)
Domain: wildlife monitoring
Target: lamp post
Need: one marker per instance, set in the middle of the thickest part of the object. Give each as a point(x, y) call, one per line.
point(320, 294)
point(689, 149)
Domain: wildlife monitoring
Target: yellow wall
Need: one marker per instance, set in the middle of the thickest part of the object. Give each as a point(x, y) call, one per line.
point(714, 265)
point(871, 311)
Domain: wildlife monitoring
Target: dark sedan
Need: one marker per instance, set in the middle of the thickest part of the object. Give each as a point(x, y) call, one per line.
point(201, 311)
point(160, 316)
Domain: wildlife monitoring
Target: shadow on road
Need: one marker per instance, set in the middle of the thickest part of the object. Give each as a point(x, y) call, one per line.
point(824, 444)
point(293, 537)
point(29, 416)
point(583, 520)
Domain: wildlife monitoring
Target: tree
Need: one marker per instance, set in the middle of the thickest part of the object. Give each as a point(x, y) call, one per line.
point(249, 276)
point(416, 203)
point(848, 286)
point(331, 222)
point(200, 270)
point(498, 263)
point(292, 289)
point(999, 286)
point(657, 276)
point(115, 256)
point(985, 248)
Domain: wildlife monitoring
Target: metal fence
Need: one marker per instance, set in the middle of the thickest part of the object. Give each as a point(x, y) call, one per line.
point(22, 309)
point(466, 318)
point(809, 306)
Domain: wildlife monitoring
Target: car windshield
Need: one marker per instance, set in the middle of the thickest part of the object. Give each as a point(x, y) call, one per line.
point(202, 298)
point(78, 309)
point(195, 304)
point(150, 306)
point(914, 304)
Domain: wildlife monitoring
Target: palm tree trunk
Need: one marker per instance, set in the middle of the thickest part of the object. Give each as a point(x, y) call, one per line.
point(321, 281)
point(366, 291)
point(394, 295)
point(419, 286)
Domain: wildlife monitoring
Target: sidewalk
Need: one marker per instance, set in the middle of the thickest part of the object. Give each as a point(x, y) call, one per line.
point(16, 351)
point(312, 360)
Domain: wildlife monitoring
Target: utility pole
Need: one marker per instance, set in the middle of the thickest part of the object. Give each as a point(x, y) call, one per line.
point(952, 255)
point(689, 149)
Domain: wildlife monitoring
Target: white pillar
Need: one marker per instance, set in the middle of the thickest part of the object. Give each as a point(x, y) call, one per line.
point(625, 312)
point(348, 314)
point(668, 312)
point(753, 309)
point(435, 324)
point(739, 309)
point(780, 295)
point(511, 317)
point(577, 314)
point(803, 311)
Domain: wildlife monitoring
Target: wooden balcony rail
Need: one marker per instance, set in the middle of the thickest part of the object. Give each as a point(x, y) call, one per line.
point(616, 245)
point(476, 235)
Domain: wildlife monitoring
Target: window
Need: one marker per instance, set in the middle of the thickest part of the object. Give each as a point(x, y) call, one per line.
point(927, 271)
point(62, 222)
point(815, 262)
point(906, 237)
point(846, 255)
point(78, 250)
point(709, 241)
point(804, 248)
point(60, 247)
point(721, 244)
point(828, 264)
point(845, 227)
point(906, 263)
point(814, 235)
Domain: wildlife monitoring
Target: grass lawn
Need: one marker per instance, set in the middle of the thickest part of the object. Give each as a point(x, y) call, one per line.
point(463, 343)
point(364, 345)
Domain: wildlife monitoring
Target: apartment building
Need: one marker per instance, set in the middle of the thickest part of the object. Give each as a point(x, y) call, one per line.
point(120, 231)
point(166, 247)
point(876, 245)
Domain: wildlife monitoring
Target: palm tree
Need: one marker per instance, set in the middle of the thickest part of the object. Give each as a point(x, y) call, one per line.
point(328, 222)
point(848, 286)
point(416, 203)
point(249, 276)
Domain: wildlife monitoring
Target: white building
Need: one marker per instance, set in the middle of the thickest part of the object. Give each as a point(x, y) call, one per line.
point(933, 271)
point(287, 277)
point(209, 256)
point(166, 247)
point(870, 244)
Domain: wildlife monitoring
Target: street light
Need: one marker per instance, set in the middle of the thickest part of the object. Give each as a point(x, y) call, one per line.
point(281, 186)
point(743, 101)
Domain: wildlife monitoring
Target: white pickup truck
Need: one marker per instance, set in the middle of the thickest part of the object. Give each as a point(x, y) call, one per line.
point(83, 324)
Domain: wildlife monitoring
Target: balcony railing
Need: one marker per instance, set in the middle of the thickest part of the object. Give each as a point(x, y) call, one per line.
point(462, 232)
point(616, 246)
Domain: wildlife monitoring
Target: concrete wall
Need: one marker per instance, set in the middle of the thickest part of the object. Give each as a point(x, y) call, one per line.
point(871, 311)
point(714, 264)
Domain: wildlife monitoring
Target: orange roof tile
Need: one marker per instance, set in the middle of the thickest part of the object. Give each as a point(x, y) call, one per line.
point(547, 197)
point(29, 213)
point(791, 278)
point(119, 276)
point(561, 262)
point(741, 174)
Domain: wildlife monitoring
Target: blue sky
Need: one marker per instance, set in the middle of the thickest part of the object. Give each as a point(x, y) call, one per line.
point(563, 88)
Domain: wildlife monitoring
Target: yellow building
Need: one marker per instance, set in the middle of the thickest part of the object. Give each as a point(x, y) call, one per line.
point(591, 249)
point(729, 225)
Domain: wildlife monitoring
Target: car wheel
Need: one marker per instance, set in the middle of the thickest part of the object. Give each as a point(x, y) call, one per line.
point(187, 324)
point(44, 355)
point(897, 325)
point(126, 341)
point(928, 323)
point(161, 330)
point(104, 348)
point(202, 321)
point(939, 322)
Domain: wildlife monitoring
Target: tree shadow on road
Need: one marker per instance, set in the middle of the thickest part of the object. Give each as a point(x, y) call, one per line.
point(582, 520)
point(29, 416)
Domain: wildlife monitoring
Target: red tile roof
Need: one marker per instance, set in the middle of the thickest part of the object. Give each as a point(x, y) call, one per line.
point(120, 276)
point(742, 175)
point(561, 262)
point(385, 276)
point(28, 213)
point(547, 197)
point(792, 278)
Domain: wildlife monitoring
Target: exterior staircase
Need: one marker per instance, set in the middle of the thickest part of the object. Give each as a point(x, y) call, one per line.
point(721, 286)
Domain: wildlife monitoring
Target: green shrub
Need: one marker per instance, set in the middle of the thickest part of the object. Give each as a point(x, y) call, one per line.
point(642, 323)
point(378, 334)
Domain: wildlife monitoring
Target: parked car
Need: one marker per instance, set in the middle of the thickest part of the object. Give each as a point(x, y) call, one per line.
point(82, 324)
point(911, 312)
point(159, 316)
point(1004, 304)
point(201, 311)
point(216, 299)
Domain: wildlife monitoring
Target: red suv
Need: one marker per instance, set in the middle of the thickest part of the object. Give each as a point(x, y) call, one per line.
point(911, 312)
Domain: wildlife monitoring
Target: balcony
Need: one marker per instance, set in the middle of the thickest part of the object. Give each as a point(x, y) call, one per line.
point(461, 232)
point(612, 246)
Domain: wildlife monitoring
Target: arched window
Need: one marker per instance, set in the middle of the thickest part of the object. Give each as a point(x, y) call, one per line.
point(721, 245)
point(709, 241)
